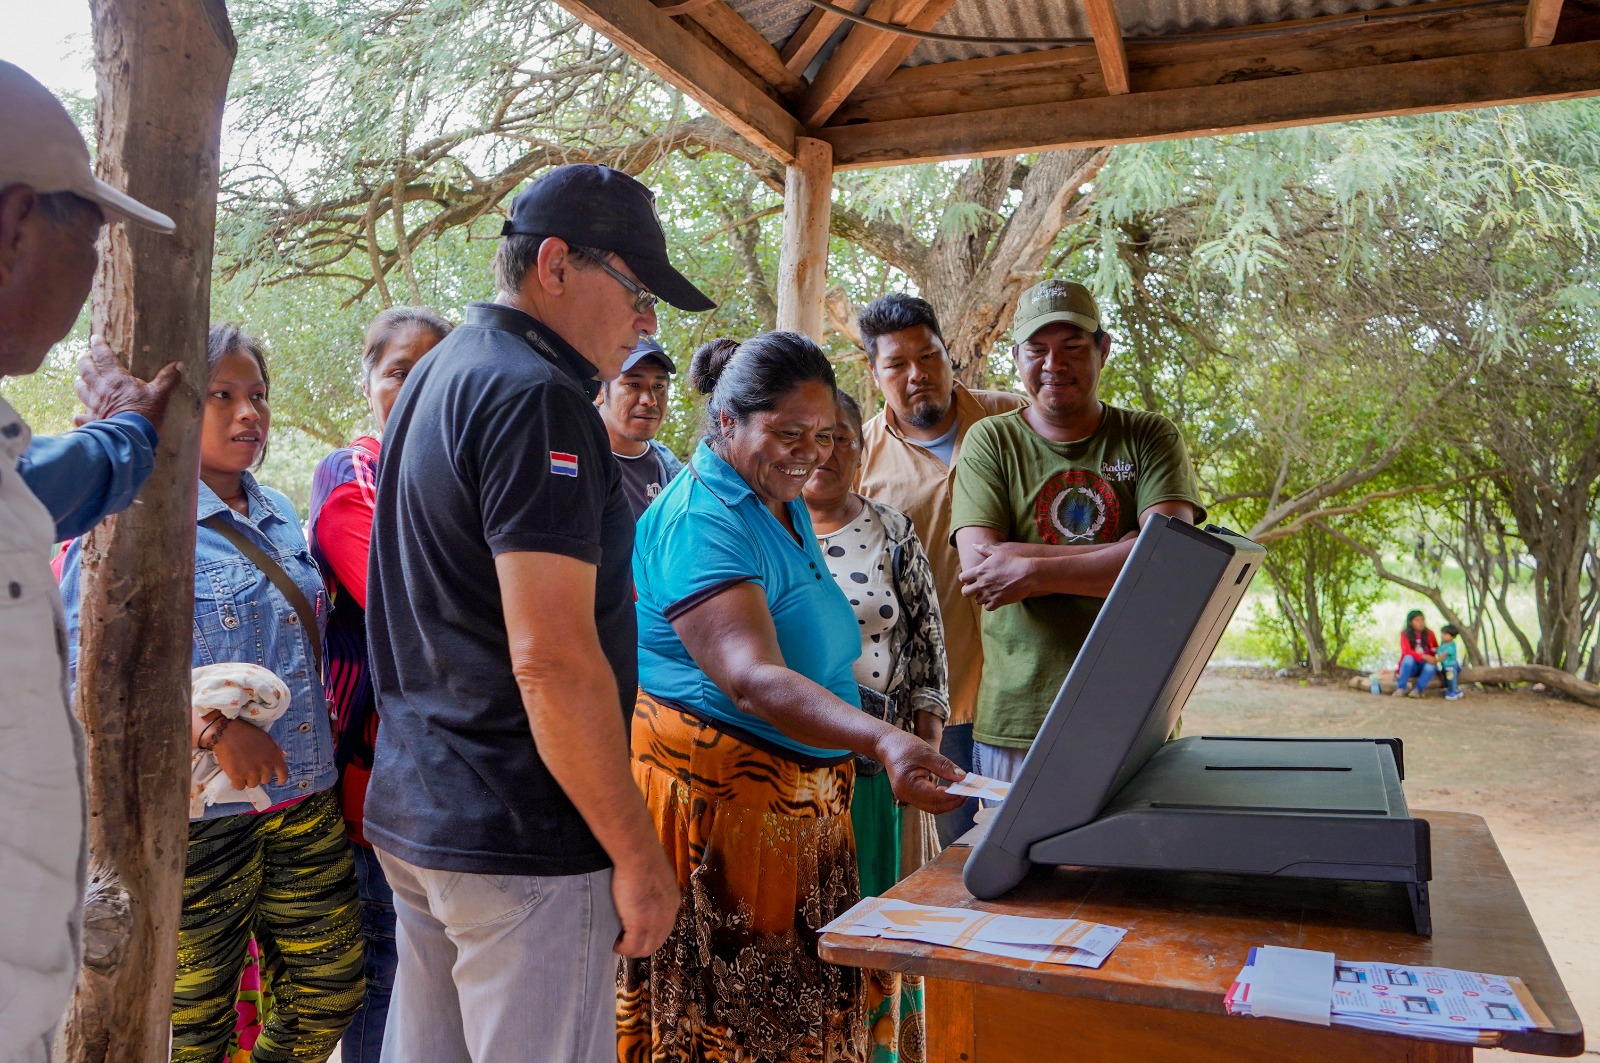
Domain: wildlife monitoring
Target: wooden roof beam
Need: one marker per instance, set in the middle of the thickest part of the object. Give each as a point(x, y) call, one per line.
point(902, 47)
point(807, 41)
point(1543, 17)
point(1107, 30)
point(1562, 71)
point(741, 38)
point(1427, 31)
point(652, 38)
point(854, 59)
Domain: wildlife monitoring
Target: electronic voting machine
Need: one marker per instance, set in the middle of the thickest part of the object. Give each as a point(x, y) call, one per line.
point(1102, 787)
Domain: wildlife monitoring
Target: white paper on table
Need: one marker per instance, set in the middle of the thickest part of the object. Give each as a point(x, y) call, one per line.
point(1068, 941)
point(1292, 984)
point(1434, 997)
point(975, 785)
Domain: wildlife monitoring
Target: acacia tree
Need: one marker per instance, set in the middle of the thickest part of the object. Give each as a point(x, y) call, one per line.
point(1310, 304)
point(410, 122)
point(1344, 319)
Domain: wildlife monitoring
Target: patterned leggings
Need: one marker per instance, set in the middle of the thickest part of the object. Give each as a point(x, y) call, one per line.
point(288, 877)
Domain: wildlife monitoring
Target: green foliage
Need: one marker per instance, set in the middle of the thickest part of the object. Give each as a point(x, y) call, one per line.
point(1375, 330)
point(1343, 315)
point(1324, 591)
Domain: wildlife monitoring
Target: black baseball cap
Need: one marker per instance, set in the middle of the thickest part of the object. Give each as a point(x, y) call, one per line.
point(647, 348)
point(598, 207)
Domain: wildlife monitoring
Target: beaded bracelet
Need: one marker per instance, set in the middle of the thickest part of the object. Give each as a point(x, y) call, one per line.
point(201, 744)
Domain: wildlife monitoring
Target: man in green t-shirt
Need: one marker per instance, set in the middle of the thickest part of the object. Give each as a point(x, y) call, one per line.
point(1047, 502)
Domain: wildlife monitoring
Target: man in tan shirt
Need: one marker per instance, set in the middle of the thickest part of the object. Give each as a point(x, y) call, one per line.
point(908, 461)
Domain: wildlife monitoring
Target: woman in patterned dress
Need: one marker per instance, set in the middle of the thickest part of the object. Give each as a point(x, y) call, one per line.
point(875, 558)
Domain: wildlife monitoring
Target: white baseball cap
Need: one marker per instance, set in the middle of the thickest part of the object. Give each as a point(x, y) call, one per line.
point(41, 147)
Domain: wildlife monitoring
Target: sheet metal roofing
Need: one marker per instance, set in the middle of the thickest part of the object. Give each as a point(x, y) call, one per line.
point(777, 20)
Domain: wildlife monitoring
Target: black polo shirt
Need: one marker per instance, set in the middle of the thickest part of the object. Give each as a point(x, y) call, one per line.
point(495, 446)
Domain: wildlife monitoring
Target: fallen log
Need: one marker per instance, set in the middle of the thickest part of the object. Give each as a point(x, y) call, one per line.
point(1554, 678)
point(1500, 675)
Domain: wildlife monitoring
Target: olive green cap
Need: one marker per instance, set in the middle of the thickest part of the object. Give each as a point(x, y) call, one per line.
point(1050, 301)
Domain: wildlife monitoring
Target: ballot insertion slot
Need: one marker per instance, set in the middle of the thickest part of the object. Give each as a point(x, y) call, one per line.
point(1276, 767)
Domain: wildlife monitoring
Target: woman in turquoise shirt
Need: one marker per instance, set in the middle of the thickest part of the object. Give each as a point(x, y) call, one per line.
point(746, 721)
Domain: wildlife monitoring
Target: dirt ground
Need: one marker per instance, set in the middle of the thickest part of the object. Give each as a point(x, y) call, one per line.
point(1528, 764)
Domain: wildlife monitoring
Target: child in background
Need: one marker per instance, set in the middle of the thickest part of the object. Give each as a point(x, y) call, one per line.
point(1450, 660)
point(1419, 656)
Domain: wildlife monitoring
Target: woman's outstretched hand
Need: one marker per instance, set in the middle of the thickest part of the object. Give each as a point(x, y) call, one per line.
point(916, 770)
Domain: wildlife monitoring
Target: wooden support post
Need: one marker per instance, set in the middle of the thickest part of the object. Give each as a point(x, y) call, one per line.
point(163, 69)
point(803, 261)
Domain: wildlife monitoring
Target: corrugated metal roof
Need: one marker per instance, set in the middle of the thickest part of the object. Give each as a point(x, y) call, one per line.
point(1156, 18)
point(777, 20)
point(1000, 18)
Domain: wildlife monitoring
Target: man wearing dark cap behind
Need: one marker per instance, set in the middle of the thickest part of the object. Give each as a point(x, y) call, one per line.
point(634, 407)
point(1047, 502)
point(501, 629)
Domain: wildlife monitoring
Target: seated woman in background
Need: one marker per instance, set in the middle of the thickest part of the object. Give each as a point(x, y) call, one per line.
point(875, 558)
point(1419, 656)
point(343, 492)
point(747, 717)
point(284, 872)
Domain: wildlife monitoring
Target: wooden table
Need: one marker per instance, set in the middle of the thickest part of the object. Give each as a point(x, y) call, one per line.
point(1159, 995)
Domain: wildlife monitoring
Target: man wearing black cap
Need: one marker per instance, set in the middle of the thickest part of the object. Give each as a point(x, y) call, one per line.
point(633, 407)
point(501, 629)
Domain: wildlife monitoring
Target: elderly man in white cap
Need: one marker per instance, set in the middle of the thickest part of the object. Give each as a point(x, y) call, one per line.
point(51, 210)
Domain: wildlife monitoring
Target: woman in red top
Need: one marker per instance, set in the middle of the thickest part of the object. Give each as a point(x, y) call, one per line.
point(343, 492)
point(1419, 655)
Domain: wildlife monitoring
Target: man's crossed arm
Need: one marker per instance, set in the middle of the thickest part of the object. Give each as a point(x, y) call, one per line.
point(995, 572)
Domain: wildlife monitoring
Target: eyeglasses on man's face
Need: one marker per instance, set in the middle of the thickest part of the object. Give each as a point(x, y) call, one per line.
point(643, 299)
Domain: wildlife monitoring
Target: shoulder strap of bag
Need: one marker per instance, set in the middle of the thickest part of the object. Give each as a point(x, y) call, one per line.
point(280, 579)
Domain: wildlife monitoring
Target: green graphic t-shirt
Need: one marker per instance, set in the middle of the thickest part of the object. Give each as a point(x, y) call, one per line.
point(1032, 490)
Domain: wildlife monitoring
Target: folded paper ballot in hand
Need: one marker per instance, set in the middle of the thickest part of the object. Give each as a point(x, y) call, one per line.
point(1074, 942)
point(975, 785)
point(1435, 1002)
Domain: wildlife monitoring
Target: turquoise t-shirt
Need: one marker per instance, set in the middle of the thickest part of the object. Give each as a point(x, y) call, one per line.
point(707, 532)
point(1450, 654)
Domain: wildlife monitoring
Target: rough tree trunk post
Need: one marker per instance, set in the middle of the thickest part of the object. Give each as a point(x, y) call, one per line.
point(803, 260)
point(163, 69)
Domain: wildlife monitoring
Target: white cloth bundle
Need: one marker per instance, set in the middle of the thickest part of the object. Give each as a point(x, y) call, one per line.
point(240, 692)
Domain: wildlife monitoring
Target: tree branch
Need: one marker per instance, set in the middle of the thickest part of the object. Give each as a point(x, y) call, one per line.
point(1433, 594)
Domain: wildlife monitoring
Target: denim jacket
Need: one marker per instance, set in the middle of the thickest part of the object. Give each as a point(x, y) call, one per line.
point(669, 461)
point(240, 616)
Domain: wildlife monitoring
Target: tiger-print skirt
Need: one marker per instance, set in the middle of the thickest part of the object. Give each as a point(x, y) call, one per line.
point(765, 857)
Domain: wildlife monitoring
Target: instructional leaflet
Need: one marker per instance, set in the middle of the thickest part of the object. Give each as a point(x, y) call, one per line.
point(1436, 1002)
point(975, 785)
point(1432, 996)
point(1074, 942)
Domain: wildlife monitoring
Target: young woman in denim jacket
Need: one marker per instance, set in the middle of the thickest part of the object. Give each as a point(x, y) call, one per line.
point(285, 873)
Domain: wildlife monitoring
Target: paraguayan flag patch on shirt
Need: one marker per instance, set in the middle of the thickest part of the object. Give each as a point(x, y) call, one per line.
point(563, 464)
